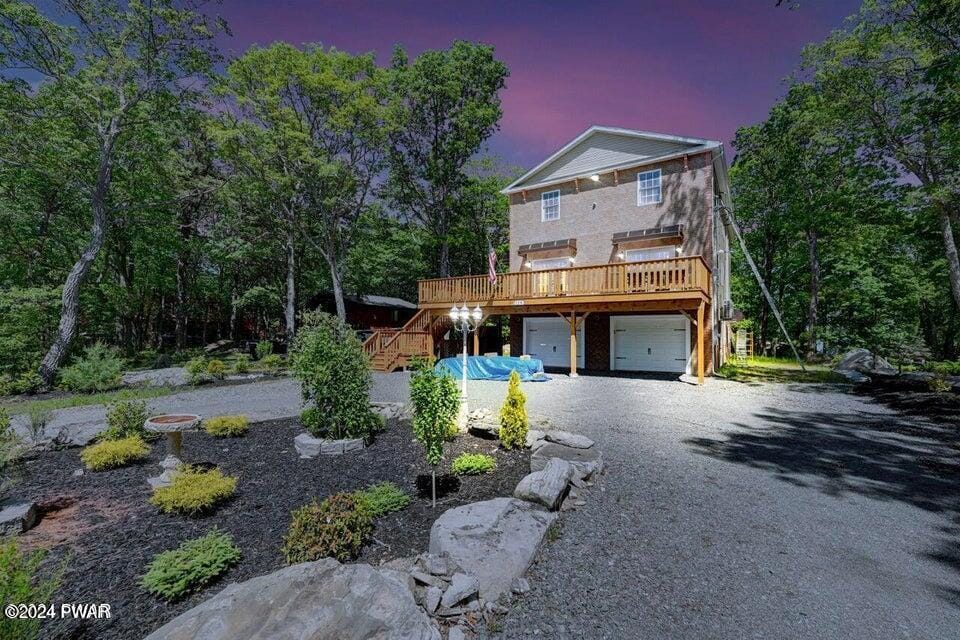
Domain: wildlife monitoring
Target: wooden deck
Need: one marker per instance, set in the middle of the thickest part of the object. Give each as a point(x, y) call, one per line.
point(686, 278)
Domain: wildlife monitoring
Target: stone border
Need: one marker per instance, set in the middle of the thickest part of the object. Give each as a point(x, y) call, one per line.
point(309, 447)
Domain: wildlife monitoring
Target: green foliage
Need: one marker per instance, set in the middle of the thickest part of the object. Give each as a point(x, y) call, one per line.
point(216, 369)
point(382, 498)
point(191, 566)
point(471, 464)
point(337, 528)
point(943, 368)
point(939, 384)
point(334, 373)
point(99, 369)
point(513, 415)
point(21, 583)
point(194, 491)
point(226, 426)
point(28, 382)
point(436, 403)
point(12, 449)
point(110, 454)
point(28, 319)
point(312, 419)
point(196, 368)
point(125, 419)
point(272, 362)
point(241, 364)
point(263, 349)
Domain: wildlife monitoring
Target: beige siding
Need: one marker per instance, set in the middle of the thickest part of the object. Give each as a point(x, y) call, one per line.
point(604, 150)
point(598, 210)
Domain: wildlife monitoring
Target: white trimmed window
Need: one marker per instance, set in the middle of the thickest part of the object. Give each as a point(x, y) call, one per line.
point(649, 187)
point(656, 253)
point(550, 205)
point(550, 263)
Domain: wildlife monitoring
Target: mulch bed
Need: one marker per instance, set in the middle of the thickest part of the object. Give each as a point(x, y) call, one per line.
point(103, 528)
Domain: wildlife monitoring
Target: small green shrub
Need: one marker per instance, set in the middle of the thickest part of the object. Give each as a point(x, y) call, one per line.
point(939, 384)
point(99, 369)
point(110, 454)
point(337, 528)
point(272, 362)
point(312, 420)
point(21, 584)
point(436, 403)
point(472, 464)
point(241, 364)
point(226, 426)
point(216, 369)
point(191, 566)
point(12, 448)
point(38, 416)
point(382, 498)
point(28, 382)
point(125, 419)
point(334, 373)
point(194, 491)
point(263, 349)
point(196, 369)
point(513, 416)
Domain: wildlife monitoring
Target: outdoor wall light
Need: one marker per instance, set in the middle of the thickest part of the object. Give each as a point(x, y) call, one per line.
point(621, 255)
point(528, 264)
point(679, 249)
point(572, 259)
point(595, 178)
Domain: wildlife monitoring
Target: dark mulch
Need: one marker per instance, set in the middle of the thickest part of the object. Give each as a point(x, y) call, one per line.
point(942, 408)
point(102, 524)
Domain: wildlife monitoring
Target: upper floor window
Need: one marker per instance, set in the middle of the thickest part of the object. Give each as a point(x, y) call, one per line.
point(550, 205)
point(648, 187)
point(550, 263)
point(656, 253)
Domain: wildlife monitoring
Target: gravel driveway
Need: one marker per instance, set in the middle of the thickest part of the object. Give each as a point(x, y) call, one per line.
point(736, 511)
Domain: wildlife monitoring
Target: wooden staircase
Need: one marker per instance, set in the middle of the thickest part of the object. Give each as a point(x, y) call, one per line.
point(392, 349)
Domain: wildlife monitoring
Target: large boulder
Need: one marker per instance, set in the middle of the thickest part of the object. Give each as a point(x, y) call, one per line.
point(494, 540)
point(548, 486)
point(310, 601)
point(586, 461)
point(568, 439)
point(169, 377)
point(863, 361)
point(17, 517)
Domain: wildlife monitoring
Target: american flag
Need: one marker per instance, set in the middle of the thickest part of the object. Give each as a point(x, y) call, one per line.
point(492, 264)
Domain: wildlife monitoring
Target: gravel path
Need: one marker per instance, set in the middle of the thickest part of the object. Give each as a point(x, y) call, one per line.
point(736, 511)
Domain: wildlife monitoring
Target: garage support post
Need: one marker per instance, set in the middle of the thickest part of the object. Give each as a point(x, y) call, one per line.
point(573, 344)
point(700, 320)
point(476, 342)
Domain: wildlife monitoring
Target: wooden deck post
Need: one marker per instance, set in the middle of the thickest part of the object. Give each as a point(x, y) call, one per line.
point(476, 341)
point(700, 321)
point(429, 334)
point(573, 344)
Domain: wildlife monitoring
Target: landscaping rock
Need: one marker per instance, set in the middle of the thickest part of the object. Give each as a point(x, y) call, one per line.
point(863, 361)
point(322, 599)
point(548, 486)
point(169, 377)
point(457, 633)
point(392, 412)
point(482, 423)
point(568, 439)
point(17, 517)
point(427, 579)
point(462, 587)
point(534, 438)
point(431, 599)
point(586, 461)
point(309, 447)
point(520, 585)
point(435, 565)
point(494, 540)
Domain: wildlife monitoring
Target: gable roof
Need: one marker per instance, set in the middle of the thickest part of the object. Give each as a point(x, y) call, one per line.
point(605, 149)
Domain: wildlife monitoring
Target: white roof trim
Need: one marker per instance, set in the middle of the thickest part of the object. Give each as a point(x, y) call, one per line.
point(513, 186)
point(626, 165)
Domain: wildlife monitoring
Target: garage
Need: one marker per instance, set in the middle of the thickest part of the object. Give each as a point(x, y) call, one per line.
point(549, 340)
point(650, 343)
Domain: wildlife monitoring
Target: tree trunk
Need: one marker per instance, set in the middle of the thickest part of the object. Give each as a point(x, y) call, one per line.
point(444, 258)
point(290, 308)
point(813, 309)
point(183, 283)
point(70, 298)
point(950, 249)
point(233, 312)
point(336, 278)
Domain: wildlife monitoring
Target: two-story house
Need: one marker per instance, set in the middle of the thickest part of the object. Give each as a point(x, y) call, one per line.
point(618, 260)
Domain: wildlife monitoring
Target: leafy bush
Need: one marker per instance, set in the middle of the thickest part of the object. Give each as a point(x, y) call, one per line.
point(27, 382)
point(382, 498)
point(196, 368)
point(20, 584)
point(194, 491)
point(110, 454)
point(38, 417)
point(226, 426)
point(216, 369)
point(12, 449)
point(513, 415)
point(334, 374)
point(99, 369)
point(241, 364)
point(125, 419)
point(272, 362)
point(335, 528)
point(939, 384)
point(263, 349)
point(472, 464)
point(312, 420)
point(28, 321)
point(436, 403)
point(943, 367)
point(191, 566)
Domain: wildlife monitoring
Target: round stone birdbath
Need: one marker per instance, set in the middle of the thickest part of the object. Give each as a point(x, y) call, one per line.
point(173, 425)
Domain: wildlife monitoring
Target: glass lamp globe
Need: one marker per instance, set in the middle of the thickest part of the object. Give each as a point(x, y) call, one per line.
point(477, 313)
point(454, 313)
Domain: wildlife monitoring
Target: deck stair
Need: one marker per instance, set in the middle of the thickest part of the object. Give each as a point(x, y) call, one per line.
point(392, 349)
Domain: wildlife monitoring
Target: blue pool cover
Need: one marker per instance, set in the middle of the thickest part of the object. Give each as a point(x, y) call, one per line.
point(493, 368)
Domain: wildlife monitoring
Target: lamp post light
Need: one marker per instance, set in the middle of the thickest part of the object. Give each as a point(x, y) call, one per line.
point(465, 321)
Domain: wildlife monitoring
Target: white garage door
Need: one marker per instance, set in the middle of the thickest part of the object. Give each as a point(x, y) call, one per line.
point(650, 343)
point(548, 339)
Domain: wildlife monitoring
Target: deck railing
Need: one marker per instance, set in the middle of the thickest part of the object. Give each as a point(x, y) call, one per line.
point(689, 273)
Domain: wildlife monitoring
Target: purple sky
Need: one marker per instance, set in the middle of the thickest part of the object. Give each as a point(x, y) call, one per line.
point(691, 67)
